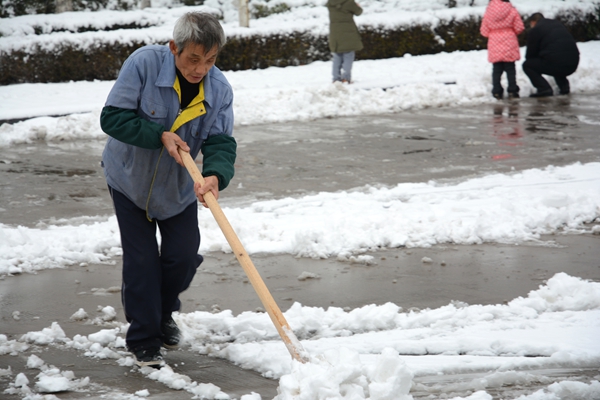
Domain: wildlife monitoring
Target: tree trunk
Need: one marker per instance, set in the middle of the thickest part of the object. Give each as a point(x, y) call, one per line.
point(244, 13)
point(64, 6)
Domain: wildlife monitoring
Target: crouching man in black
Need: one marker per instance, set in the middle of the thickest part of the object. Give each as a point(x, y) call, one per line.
point(551, 50)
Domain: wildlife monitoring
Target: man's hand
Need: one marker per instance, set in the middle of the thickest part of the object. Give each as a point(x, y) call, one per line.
point(211, 184)
point(172, 142)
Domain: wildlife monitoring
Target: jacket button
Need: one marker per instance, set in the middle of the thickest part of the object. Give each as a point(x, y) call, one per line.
point(152, 112)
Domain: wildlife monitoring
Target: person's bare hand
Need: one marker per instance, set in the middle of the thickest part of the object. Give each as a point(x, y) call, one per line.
point(172, 143)
point(211, 184)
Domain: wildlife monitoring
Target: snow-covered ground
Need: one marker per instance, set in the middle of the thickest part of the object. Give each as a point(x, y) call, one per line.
point(495, 208)
point(373, 352)
point(290, 94)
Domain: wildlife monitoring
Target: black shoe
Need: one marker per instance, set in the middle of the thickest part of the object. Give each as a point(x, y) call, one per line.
point(149, 357)
point(498, 96)
point(565, 88)
point(171, 333)
point(513, 95)
point(544, 93)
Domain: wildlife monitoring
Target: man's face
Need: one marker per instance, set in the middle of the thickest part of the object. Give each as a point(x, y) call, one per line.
point(193, 62)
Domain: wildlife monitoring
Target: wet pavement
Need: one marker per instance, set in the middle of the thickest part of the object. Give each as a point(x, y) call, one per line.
point(46, 182)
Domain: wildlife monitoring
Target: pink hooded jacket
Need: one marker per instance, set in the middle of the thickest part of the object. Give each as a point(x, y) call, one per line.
point(501, 24)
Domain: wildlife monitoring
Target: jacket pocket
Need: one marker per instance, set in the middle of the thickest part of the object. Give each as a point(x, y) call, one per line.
point(153, 111)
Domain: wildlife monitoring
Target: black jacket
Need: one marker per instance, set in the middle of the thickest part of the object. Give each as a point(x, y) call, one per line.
point(551, 41)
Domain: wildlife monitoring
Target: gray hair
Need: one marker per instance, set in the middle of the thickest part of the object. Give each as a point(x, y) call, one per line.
point(198, 28)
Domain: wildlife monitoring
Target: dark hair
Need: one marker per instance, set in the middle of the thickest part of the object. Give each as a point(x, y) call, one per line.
point(198, 28)
point(536, 17)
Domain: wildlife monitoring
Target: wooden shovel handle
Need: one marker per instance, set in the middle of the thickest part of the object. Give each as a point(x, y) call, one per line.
point(289, 338)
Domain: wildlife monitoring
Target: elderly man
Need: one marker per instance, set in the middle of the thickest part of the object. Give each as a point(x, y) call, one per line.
point(551, 50)
point(165, 98)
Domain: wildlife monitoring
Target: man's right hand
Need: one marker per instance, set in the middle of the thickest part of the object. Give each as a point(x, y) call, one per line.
point(172, 142)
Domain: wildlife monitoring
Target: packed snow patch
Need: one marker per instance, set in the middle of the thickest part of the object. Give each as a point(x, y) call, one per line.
point(371, 352)
point(500, 208)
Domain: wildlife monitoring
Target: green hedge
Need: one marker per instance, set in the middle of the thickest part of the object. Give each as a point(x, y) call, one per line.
point(255, 52)
point(10, 8)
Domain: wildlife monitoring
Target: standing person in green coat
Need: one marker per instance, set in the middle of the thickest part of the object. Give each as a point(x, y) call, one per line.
point(344, 39)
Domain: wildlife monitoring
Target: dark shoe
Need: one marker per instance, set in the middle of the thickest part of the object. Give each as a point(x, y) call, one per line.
point(150, 357)
point(498, 96)
point(544, 93)
point(564, 87)
point(171, 333)
point(346, 81)
point(513, 95)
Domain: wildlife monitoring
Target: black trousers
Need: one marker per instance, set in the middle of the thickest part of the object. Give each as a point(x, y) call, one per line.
point(154, 275)
point(535, 67)
point(511, 74)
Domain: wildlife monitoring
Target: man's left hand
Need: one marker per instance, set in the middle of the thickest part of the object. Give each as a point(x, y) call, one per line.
point(211, 184)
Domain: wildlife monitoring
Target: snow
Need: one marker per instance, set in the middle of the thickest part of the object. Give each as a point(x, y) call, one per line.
point(372, 352)
point(49, 380)
point(375, 351)
point(288, 94)
point(495, 208)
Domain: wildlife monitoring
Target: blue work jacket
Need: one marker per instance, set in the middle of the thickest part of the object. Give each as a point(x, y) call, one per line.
point(151, 178)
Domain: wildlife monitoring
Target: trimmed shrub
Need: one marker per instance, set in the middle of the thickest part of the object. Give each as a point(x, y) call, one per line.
point(64, 64)
point(263, 10)
point(256, 52)
point(9, 8)
point(13, 8)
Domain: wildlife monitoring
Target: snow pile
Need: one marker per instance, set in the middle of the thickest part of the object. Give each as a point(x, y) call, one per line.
point(372, 352)
point(340, 374)
point(566, 390)
point(546, 329)
point(496, 208)
point(53, 334)
point(561, 294)
point(30, 249)
point(177, 381)
point(48, 129)
point(49, 380)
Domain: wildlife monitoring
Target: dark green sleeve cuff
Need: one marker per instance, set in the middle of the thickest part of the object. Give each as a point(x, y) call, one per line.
point(219, 152)
point(127, 127)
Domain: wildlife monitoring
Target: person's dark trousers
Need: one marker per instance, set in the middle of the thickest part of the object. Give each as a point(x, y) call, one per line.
point(511, 74)
point(535, 67)
point(153, 276)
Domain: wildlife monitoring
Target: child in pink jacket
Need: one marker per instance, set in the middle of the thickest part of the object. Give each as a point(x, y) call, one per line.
point(501, 24)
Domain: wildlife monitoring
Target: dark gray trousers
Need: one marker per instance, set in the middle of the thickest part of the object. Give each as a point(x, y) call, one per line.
point(535, 67)
point(511, 74)
point(153, 275)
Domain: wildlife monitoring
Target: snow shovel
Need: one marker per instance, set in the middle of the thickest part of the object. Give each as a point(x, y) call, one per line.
point(289, 338)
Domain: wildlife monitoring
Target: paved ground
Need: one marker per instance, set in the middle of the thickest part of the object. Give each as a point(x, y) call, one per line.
point(44, 181)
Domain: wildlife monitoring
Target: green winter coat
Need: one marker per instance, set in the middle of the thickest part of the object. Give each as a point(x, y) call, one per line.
point(343, 33)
